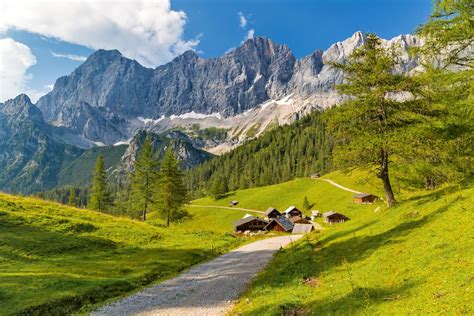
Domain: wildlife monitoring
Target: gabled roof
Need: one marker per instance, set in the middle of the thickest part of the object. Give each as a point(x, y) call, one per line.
point(270, 210)
point(315, 212)
point(302, 228)
point(362, 195)
point(330, 213)
point(248, 215)
point(247, 220)
point(291, 208)
point(283, 222)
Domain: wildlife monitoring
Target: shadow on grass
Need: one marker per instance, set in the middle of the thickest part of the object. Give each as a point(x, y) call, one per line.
point(303, 260)
point(358, 301)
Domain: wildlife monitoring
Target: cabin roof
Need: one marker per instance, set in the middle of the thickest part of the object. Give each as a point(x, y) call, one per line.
point(270, 210)
point(330, 213)
point(246, 220)
point(291, 208)
point(283, 222)
point(302, 228)
point(362, 195)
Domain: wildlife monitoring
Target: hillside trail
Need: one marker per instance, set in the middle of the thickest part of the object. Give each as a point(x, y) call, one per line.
point(339, 186)
point(226, 208)
point(206, 289)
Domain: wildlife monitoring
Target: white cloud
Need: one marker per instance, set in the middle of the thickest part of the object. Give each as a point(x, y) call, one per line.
point(69, 56)
point(15, 59)
point(250, 34)
point(146, 30)
point(242, 19)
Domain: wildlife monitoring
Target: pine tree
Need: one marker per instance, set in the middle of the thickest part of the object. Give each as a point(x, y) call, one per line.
point(171, 194)
point(369, 127)
point(218, 187)
point(72, 197)
point(143, 179)
point(99, 195)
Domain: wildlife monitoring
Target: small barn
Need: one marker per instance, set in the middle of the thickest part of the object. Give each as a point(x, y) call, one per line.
point(250, 223)
point(332, 217)
point(302, 228)
point(271, 213)
point(315, 214)
point(292, 211)
point(234, 203)
point(365, 198)
point(280, 224)
point(299, 220)
point(314, 175)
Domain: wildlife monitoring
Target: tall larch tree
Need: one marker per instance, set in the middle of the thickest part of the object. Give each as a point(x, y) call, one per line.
point(368, 128)
point(143, 179)
point(172, 193)
point(99, 198)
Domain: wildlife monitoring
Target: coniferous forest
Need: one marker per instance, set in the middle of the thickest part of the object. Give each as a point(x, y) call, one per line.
point(282, 154)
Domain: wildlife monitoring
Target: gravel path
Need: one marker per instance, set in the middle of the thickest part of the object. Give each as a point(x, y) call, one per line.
point(339, 186)
point(206, 289)
point(226, 208)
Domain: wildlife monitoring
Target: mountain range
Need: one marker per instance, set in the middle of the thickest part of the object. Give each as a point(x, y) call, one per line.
point(109, 99)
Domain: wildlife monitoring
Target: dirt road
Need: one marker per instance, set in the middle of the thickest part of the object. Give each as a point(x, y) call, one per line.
point(339, 186)
point(206, 289)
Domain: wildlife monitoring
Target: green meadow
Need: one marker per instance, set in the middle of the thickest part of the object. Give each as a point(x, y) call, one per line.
point(56, 259)
point(413, 259)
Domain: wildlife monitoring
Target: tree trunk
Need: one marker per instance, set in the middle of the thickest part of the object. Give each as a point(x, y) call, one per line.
point(167, 218)
point(144, 211)
point(430, 183)
point(384, 176)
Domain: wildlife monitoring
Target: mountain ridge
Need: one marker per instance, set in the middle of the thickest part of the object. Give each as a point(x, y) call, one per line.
point(102, 99)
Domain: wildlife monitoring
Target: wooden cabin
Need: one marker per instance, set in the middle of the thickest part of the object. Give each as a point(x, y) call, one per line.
point(302, 228)
point(299, 220)
point(314, 175)
point(334, 217)
point(365, 198)
point(271, 213)
point(234, 203)
point(292, 211)
point(250, 223)
point(280, 224)
point(315, 214)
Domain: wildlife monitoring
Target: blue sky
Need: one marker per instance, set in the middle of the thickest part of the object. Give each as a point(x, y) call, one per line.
point(211, 27)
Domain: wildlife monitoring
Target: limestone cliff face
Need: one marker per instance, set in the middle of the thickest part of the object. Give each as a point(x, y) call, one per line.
point(102, 99)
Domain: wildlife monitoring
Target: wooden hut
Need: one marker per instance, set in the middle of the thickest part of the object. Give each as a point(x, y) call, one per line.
point(365, 198)
point(299, 220)
point(280, 224)
point(314, 175)
point(271, 213)
point(292, 211)
point(334, 217)
point(250, 223)
point(302, 228)
point(234, 203)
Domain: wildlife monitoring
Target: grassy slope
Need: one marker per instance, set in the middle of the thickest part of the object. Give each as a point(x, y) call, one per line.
point(413, 259)
point(55, 258)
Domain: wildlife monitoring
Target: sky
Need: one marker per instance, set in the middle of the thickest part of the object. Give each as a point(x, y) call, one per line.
point(41, 40)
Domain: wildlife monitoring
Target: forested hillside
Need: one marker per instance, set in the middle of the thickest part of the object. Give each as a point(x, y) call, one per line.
point(279, 155)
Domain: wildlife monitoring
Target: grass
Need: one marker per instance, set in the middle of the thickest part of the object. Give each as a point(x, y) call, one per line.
point(321, 195)
point(413, 259)
point(56, 259)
